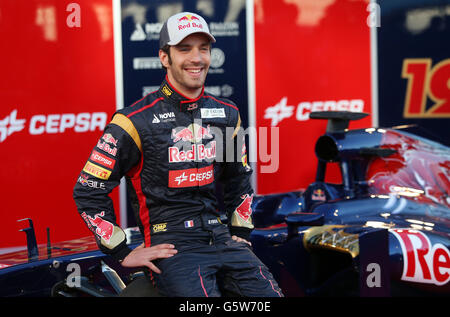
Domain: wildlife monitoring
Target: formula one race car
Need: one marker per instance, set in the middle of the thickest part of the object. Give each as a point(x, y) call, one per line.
point(384, 230)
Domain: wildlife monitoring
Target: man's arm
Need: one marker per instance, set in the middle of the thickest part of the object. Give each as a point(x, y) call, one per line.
point(238, 192)
point(116, 152)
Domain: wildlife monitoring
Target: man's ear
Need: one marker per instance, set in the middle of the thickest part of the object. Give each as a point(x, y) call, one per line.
point(164, 58)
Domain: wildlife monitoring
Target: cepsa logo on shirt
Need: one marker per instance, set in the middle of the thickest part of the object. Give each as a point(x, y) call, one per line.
point(191, 177)
point(102, 159)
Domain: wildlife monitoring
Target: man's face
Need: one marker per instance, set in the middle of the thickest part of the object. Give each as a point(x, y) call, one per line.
point(188, 63)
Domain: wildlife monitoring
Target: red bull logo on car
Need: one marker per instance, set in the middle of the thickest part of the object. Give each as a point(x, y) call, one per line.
point(424, 262)
point(318, 194)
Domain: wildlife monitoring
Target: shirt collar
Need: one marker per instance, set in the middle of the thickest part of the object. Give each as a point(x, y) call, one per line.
point(176, 98)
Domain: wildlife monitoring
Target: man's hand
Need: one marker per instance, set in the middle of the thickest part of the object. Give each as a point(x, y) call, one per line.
point(141, 256)
point(238, 239)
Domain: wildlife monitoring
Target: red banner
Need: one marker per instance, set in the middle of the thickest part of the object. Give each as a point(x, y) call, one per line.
point(310, 55)
point(57, 94)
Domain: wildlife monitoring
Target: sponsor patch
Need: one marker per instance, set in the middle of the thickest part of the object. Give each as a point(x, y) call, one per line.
point(104, 229)
point(244, 210)
point(192, 106)
point(108, 138)
point(104, 146)
point(193, 133)
point(96, 171)
point(318, 194)
point(214, 221)
point(102, 159)
point(164, 117)
point(191, 177)
point(208, 113)
point(197, 153)
point(85, 181)
point(159, 227)
point(167, 91)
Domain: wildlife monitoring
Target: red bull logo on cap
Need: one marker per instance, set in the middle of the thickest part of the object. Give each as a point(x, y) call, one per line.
point(192, 21)
point(188, 17)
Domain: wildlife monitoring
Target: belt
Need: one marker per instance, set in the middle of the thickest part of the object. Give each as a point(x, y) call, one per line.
point(205, 222)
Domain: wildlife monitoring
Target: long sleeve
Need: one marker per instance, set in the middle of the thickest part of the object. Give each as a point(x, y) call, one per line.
point(238, 192)
point(116, 152)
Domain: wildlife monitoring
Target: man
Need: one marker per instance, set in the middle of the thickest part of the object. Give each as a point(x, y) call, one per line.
point(168, 147)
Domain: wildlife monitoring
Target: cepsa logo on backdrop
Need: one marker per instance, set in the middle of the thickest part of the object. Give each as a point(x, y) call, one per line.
point(51, 123)
point(282, 110)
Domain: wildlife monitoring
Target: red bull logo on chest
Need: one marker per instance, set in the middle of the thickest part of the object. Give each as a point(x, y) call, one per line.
point(193, 133)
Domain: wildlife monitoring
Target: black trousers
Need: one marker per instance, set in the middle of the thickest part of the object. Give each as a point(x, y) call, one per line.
point(214, 265)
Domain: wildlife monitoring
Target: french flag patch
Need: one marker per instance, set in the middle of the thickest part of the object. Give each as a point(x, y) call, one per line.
point(189, 224)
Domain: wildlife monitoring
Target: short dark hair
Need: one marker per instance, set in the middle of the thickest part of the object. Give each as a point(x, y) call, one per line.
point(166, 49)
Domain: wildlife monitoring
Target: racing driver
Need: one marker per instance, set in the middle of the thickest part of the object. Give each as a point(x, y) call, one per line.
point(172, 147)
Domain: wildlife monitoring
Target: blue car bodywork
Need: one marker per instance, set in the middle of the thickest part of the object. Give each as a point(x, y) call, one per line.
point(384, 230)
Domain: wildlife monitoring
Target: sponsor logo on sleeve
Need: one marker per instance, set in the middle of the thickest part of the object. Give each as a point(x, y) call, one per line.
point(102, 159)
point(96, 171)
point(108, 138)
point(244, 210)
point(104, 146)
point(104, 229)
point(85, 181)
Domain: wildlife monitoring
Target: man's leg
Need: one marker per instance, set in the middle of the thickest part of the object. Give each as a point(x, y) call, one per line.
point(188, 274)
point(140, 287)
point(245, 275)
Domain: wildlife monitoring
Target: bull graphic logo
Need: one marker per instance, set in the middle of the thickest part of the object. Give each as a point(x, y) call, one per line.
point(108, 138)
point(244, 210)
point(187, 17)
point(318, 194)
point(193, 133)
point(103, 228)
